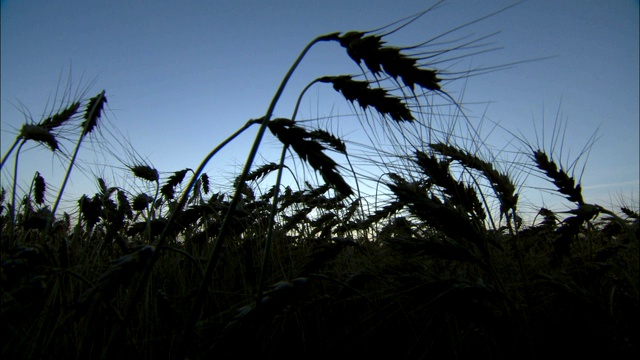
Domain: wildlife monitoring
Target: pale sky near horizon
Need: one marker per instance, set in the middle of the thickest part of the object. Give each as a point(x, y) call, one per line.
point(182, 76)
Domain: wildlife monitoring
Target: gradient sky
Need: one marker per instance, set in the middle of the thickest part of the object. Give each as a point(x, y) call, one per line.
point(182, 76)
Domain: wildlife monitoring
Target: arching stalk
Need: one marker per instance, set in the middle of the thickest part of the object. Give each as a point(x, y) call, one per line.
point(13, 192)
point(213, 259)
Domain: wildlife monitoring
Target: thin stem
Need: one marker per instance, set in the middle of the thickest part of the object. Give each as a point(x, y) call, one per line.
point(151, 212)
point(274, 206)
point(13, 192)
point(64, 182)
point(274, 209)
point(295, 110)
point(6, 156)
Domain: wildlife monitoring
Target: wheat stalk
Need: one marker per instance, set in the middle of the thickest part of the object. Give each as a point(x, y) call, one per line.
point(41, 132)
point(236, 198)
point(93, 112)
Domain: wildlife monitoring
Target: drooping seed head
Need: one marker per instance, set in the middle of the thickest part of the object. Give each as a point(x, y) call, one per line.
point(60, 118)
point(311, 151)
point(501, 183)
point(93, 112)
point(262, 171)
point(379, 99)
point(205, 183)
point(39, 187)
point(123, 204)
point(378, 57)
point(90, 209)
point(40, 134)
point(336, 143)
point(167, 189)
point(141, 201)
point(628, 212)
point(145, 172)
point(565, 183)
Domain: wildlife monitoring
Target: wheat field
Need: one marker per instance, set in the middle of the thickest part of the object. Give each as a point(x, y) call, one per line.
point(315, 254)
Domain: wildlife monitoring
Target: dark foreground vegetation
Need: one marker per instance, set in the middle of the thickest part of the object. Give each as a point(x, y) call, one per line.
point(444, 267)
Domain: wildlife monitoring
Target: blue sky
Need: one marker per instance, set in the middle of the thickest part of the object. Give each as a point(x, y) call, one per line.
point(182, 76)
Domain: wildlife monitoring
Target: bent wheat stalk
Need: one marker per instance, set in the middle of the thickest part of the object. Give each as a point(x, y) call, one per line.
point(190, 324)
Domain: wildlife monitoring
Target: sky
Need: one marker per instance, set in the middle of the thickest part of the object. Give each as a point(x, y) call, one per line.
point(180, 77)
